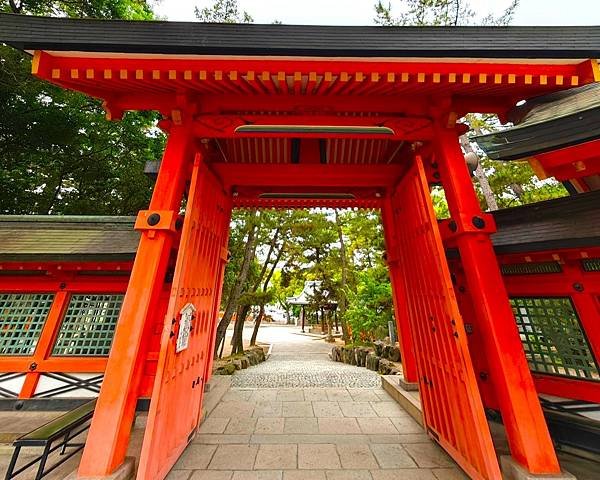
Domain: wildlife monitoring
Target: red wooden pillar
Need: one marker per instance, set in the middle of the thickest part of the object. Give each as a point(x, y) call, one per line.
point(223, 257)
point(526, 429)
point(390, 230)
point(45, 344)
point(586, 299)
point(109, 433)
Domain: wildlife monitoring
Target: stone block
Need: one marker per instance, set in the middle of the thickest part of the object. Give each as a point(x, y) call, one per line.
point(385, 366)
point(361, 356)
point(318, 456)
point(244, 361)
point(124, 472)
point(337, 426)
point(327, 409)
point(225, 369)
point(395, 355)
point(386, 352)
point(356, 456)
point(336, 353)
point(408, 386)
point(379, 347)
point(514, 471)
point(390, 455)
point(277, 457)
point(348, 355)
point(252, 358)
point(233, 457)
point(372, 361)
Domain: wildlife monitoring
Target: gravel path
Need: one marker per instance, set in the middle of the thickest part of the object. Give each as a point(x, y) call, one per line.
point(301, 361)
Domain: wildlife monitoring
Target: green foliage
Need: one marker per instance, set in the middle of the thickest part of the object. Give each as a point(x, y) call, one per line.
point(440, 13)
point(57, 151)
point(223, 11)
point(514, 183)
point(125, 9)
point(257, 298)
point(370, 305)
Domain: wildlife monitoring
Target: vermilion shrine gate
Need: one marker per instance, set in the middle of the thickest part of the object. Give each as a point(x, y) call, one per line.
point(274, 116)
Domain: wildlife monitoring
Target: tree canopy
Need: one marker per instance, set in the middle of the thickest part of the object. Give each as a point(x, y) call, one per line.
point(58, 153)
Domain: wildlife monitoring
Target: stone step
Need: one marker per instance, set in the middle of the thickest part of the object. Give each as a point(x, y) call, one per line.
point(409, 399)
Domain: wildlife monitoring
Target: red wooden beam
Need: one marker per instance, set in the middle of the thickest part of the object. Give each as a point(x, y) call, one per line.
point(56, 267)
point(312, 126)
point(567, 388)
point(116, 77)
point(54, 364)
point(308, 175)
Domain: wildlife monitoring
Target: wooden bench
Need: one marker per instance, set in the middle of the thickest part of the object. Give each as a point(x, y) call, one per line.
point(53, 435)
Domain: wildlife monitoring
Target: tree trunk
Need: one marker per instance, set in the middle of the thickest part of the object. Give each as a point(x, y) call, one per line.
point(257, 321)
point(344, 280)
point(329, 322)
point(263, 271)
point(236, 291)
point(237, 340)
point(488, 194)
point(261, 312)
point(273, 267)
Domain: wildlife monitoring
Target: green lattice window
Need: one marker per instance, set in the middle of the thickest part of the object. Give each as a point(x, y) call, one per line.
point(22, 317)
point(88, 326)
point(530, 268)
point(552, 337)
point(591, 264)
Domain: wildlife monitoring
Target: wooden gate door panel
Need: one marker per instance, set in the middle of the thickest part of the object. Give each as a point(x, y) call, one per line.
point(175, 407)
point(452, 407)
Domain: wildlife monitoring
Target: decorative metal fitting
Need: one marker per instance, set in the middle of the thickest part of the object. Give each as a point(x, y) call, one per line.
point(153, 219)
point(578, 287)
point(436, 175)
point(483, 376)
point(478, 222)
point(452, 226)
point(179, 223)
point(33, 366)
point(62, 285)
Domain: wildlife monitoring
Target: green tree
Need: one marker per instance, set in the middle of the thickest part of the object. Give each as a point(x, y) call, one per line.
point(440, 13)
point(223, 11)
point(57, 151)
point(370, 305)
point(125, 9)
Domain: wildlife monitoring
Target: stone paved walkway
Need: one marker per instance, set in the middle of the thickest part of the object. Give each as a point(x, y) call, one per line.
point(325, 428)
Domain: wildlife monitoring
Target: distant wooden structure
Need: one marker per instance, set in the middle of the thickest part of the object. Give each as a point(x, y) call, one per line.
point(306, 298)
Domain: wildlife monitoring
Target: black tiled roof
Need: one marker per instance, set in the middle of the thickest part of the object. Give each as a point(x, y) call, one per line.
point(554, 121)
point(28, 33)
point(567, 222)
point(52, 237)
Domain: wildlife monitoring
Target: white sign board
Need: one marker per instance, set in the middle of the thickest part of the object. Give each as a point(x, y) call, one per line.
point(185, 326)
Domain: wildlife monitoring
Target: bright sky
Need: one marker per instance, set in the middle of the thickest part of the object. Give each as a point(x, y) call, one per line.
point(361, 12)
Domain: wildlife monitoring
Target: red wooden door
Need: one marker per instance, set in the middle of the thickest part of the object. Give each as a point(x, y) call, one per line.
point(452, 407)
point(176, 402)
